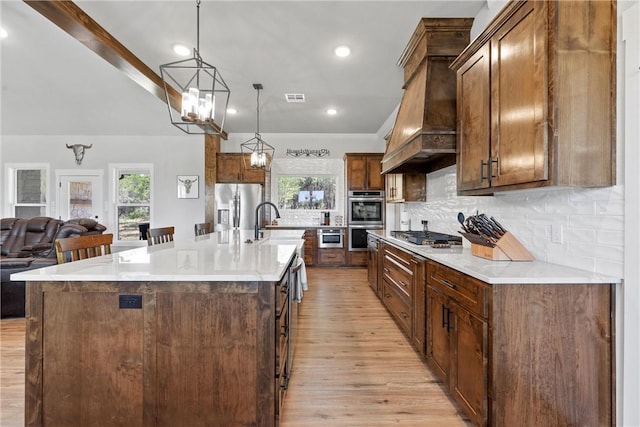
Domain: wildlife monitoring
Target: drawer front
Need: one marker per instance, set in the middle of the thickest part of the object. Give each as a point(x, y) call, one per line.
point(282, 296)
point(331, 256)
point(398, 275)
point(466, 291)
point(282, 333)
point(398, 255)
point(399, 309)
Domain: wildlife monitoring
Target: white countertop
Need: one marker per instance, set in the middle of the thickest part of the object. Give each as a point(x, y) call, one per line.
point(219, 256)
point(500, 272)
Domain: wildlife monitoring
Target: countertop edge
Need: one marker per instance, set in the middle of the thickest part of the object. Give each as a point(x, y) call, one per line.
point(502, 272)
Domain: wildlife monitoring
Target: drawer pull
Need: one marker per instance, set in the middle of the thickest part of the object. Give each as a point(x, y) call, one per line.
point(448, 284)
point(404, 315)
point(387, 296)
point(403, 283)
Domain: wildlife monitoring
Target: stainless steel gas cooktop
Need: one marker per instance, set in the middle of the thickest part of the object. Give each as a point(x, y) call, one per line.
point(428, 238)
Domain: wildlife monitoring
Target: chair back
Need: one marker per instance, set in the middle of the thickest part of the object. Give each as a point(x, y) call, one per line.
point(81, 247)
point(155, 236)
point(202, 228)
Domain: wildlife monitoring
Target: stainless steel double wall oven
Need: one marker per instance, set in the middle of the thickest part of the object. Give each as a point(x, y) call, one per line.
point(365, 211)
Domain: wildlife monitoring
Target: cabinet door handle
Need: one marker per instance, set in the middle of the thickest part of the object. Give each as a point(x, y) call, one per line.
point(495, 161)
point(482, 165)
point(446, 318)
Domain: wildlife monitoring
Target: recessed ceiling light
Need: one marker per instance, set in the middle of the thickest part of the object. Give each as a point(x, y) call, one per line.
point(231, 111)
point(342, 51)
point(3, 33)
point(332, 111)
point(181, 49)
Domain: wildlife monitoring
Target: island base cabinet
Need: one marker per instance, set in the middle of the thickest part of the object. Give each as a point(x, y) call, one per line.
point(188, 353)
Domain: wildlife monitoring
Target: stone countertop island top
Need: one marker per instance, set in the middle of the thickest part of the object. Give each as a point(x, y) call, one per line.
point(219, 256)
point(500, 272)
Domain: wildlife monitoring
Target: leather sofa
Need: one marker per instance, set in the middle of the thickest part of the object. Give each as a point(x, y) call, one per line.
point(27, 244)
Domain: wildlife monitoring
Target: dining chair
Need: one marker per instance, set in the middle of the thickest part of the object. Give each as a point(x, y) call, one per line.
point(155, 236)
point(202, 228)
point(81, 247)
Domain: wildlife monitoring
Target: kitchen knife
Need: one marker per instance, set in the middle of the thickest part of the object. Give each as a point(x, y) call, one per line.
point(504, 230)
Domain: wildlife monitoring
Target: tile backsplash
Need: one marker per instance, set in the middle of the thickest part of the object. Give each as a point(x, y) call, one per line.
point(588, 223)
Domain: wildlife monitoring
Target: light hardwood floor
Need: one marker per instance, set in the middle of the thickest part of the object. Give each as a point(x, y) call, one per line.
point(353, 367)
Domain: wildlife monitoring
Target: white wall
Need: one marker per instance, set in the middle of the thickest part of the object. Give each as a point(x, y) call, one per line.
point(171, 156)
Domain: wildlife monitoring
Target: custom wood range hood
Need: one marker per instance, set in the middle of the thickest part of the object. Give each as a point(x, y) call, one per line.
point(423, 138)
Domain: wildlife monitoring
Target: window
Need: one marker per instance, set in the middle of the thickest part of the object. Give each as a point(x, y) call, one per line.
point(28, 188)
point(132, 201)
point(307, 192)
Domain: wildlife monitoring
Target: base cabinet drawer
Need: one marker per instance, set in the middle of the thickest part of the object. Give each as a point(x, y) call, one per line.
point(331, 256)
point(399, 308)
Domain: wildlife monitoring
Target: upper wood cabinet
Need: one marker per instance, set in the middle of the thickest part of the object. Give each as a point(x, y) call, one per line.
point(231, 168)
point(536, 98)
point(364, 171)
point(401, 187)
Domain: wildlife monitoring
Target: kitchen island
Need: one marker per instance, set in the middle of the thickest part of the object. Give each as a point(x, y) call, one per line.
point(185, 333)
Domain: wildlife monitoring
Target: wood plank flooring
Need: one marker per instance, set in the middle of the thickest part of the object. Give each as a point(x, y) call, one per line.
point(353, 367)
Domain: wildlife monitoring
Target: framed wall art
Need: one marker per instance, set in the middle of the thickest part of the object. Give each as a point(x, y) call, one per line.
point(188, 187)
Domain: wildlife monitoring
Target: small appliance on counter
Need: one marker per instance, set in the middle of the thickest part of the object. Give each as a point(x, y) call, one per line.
point(326, 218)
point(405, 221)
point(490, 240)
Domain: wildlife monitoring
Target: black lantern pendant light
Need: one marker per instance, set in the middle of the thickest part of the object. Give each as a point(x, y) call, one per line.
point(261, 153)
point(205, 95)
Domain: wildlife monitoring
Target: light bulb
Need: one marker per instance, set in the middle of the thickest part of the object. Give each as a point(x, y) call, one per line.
point(254, 159)
point(209, 105)
point(186, 106)
point(194, 95)
point(202, 109)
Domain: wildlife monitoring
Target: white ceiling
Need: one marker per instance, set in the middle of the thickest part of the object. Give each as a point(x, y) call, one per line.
point(53, 85)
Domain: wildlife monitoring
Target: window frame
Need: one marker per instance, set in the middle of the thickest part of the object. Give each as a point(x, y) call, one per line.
point(11, 172)
point(115, 169)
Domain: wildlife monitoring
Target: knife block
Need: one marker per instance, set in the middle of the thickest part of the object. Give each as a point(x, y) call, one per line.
point(507, 248)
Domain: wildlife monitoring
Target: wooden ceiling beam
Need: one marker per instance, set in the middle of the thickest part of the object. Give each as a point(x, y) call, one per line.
point(73, 20)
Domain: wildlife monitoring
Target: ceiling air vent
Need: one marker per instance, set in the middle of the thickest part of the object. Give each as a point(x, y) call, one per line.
point(294, 97)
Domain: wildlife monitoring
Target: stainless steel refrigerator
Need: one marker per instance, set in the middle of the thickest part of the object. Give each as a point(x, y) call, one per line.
point(236, 205)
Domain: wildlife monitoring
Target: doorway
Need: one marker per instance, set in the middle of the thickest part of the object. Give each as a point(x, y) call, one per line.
point(79, 194)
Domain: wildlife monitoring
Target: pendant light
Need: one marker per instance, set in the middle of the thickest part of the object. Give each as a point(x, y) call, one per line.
point(205, 95)
point(260, 153)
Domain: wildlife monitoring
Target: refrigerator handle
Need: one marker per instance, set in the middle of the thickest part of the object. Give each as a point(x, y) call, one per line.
point(236, 209)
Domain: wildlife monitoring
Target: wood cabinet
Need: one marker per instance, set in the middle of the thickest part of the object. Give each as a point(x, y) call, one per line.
point(403, 292)
point(514, 354)
point(405, 187)
point(190, 353)
point(363, 171)
point(373, 251)
point(310, 246)
point(458, 336)
point(230, 167)
point(536, 98)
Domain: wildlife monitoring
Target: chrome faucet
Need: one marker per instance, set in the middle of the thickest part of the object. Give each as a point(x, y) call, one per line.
point(257, 226)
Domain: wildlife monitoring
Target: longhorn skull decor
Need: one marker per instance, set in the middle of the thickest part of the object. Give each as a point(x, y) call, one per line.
point(187, 186)
point(78, 151)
